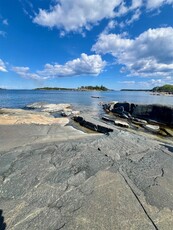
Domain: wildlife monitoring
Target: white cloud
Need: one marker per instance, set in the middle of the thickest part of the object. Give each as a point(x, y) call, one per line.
point(75, 15)
point(78, 15)
point(85, 65)
point(149, 54)
point(134, 17)
point(24, 72)
point(2, 66)
point(154, 4)
point(136, 4)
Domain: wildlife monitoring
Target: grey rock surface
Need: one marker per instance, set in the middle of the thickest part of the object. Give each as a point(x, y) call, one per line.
point(121, 181)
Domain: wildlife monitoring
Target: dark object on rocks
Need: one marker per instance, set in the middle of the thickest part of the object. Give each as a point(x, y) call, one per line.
point(91, 126)
point(78, 119)
point(102, 129)
point(2, 223)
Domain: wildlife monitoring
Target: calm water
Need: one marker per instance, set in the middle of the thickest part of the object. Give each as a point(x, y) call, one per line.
point(79, 100)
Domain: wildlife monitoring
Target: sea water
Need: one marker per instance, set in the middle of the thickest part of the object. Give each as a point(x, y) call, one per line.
point(88, 101)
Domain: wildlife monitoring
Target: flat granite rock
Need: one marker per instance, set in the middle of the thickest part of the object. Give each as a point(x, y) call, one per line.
point(84, 181)
point(20, 116)
point(112, 205)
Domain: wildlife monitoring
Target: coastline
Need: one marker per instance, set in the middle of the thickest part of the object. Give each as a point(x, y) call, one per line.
point(55, 176)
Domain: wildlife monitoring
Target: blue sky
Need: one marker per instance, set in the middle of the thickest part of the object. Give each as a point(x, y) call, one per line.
point(70, 43)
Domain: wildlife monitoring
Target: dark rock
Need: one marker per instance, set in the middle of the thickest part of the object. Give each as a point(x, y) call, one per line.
point(159, 113)
point(118, 110)
point(125, 105)
point(106, 107)
point(89, 125)
point(102, 129)
point(78, 119)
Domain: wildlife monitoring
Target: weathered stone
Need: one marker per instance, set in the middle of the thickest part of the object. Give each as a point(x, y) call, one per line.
point(121, 123)
point(152, 128)
point(66, 112)
point(45, 107)
point(138, 121)
point(110, 206)
point(19, 116)
point(160, 113)
point(55, 180)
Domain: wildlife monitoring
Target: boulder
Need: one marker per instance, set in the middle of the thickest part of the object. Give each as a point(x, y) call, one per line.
point(159, 113)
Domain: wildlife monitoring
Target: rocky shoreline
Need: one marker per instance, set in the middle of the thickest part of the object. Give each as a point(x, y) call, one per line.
point(53, 176)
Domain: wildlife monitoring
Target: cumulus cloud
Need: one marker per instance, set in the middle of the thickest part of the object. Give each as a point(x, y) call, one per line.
point(77, 15)
point(74, 15)
point(2, 66)
point(149, 54)
point(85, 65)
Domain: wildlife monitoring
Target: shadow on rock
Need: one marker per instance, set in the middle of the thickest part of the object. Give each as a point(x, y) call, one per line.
point(2, 223)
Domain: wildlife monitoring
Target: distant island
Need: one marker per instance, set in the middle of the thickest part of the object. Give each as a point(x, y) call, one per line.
point(82, 88)
point(136, 90)
point(54, 88)
point(164, 89)
point(159, 89)
point(90, 88)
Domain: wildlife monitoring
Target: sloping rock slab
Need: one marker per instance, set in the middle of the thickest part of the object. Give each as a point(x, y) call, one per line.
point(112, 205)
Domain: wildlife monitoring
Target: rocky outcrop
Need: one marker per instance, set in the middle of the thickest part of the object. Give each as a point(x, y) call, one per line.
point(157, 113)
point(20, 116)
point(45, 107)
point(89, 124)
